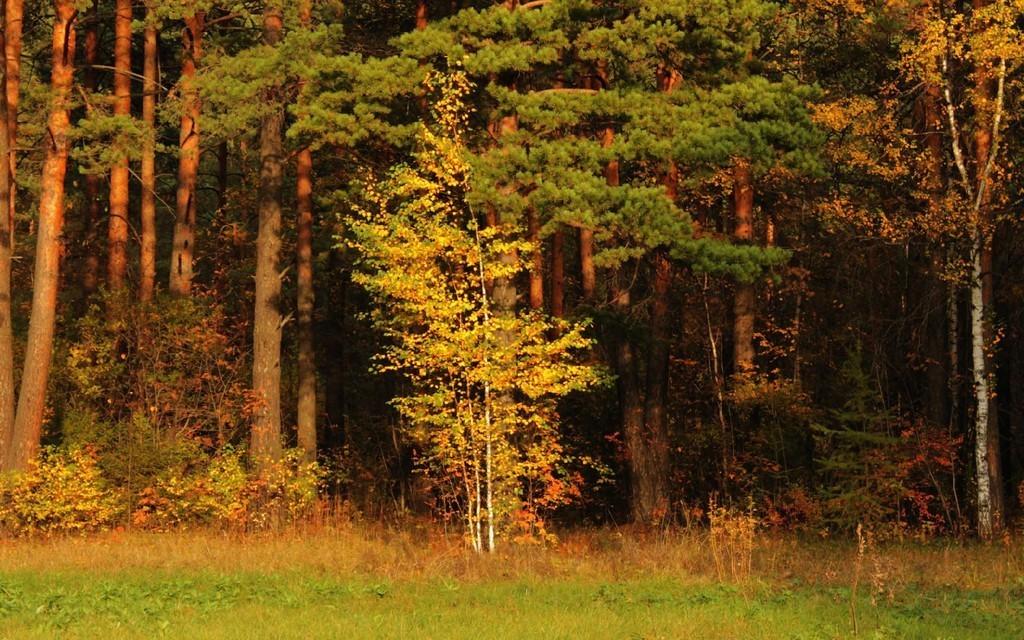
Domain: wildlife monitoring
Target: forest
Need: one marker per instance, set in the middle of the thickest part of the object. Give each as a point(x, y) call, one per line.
point(736, 284)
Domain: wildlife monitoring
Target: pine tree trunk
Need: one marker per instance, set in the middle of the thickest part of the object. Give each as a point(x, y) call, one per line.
point(588, 276)
point(306, 410)
point(422, 15)
point(6, 337)
point(536, 262)
point(937, 373)
point(183, 246)
point(13, 27)
point(643, 477)
point(222, 175)
point(558, 273)
point(744, 302)
point(32, 399)
point(654, 499)
point(150, 68)
point(93, 182)
point(117, 231)
point(266, 367)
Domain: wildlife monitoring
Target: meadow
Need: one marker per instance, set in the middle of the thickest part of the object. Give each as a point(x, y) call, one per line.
point(353, 582)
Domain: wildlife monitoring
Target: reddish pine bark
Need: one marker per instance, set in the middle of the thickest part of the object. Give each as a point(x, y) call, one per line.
point(536, 262)
point(744, 301)
point(13, 27)
point(558, 273)
point(306, 410)
point(150, 88)
point(183, 246)
point(117, 231)
point(6, 337)
point(28, 423)
point(422, 15)
point(588, 276)
point(93, 182)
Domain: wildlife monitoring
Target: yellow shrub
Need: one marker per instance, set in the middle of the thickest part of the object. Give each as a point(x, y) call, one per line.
point(62, 492)
point(222, 493)
point(732, 538)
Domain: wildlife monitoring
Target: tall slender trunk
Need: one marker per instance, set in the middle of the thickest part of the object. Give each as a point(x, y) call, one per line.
point(654, 495)
point(744, 301)
point(266, 360)
point(117, 231)
point(150, 88)
point(183, 246)
point(503, 291)
point(986, 517)
point(937, 372)
point(222, 175)
point(306, 410)
point(536, 261)
point(987, 458)
point(588, 275)
point(6, 337)
point(643, 500)
point(650, 449)
point(93, 182)
point(13, 27)
point(28, 423)
point(422, 15)
point(558, 273)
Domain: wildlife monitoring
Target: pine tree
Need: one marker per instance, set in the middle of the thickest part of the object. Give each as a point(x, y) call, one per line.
point(183, 243)
point(266, 358)
point(117, 230)
point(28, 424)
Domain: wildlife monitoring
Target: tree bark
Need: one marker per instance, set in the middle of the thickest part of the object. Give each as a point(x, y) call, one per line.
point(306, 410)
point(183, 247)
point(32, 399)
point(6, 337)
point(93, 182)
point(938, 373)
point(536, 262)
point(653, 500)
point(13, 27)
point(117, 231)
point(650, 449)
point(422, 15)
point(266, 368)
point(588, 276)
point(987, 458)
point(150, 68)
point(558, 274)
point(744, 302)
point(645, 485)
point(222, 175)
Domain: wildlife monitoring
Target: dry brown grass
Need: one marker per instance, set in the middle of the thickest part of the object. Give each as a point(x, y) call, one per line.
point(422, 553)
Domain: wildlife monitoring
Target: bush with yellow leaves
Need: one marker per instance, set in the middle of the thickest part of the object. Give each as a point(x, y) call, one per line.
point(61, 492)
point(223, 494)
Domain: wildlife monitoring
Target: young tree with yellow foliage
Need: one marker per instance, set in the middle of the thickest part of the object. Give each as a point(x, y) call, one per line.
point(483, 385)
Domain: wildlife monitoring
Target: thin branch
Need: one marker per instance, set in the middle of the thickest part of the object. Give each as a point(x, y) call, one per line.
point(997, 120)
point(954, 129)
point(131, 74)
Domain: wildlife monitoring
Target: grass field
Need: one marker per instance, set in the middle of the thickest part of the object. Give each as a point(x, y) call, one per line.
point(349, 584)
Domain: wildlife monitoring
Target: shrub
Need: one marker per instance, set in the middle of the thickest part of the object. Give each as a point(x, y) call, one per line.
point(221, 493)
point(732, 537)
point(62, 492)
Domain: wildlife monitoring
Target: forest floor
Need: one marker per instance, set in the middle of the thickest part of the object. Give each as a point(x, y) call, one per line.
point(372, 583)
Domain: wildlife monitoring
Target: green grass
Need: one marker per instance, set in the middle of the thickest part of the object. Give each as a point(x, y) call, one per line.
point(305, 605)
point(353, 583)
